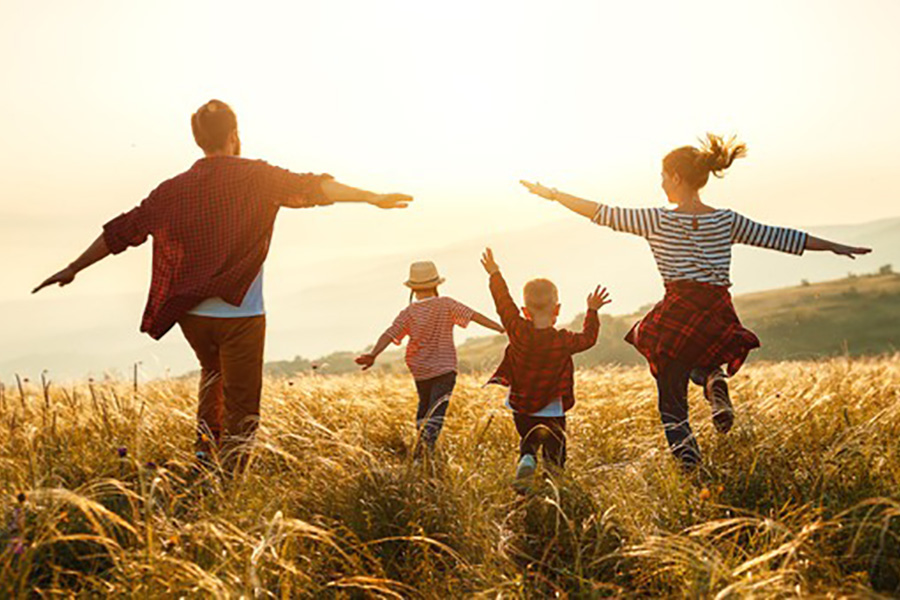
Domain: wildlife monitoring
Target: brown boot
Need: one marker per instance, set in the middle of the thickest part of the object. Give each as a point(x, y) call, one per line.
point(716, 393)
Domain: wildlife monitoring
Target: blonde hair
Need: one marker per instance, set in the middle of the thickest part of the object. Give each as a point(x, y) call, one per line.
point(540, 295)
point(714, 155)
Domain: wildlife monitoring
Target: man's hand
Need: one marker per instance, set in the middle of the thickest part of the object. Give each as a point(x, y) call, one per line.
point(539, 190)
point(488, 262)
point(366, 360)
point(64, 277)
point(391, 200)
point(598, 299)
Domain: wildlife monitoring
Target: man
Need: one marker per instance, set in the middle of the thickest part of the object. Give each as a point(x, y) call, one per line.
point(211, 228)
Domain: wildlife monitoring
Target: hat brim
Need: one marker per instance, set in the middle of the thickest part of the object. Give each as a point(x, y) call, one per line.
point(424, 285)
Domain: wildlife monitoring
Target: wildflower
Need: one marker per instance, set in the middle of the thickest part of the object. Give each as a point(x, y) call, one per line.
point(705, 494)
point(18, 545)
point(150, 465)
point(721, 488)
point(122, 451)
point(204, 438)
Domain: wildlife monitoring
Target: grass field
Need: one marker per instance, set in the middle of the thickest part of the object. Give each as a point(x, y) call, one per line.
point(800, 499)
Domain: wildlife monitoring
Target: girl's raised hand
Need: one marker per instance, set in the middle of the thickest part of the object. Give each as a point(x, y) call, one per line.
point(539, 190)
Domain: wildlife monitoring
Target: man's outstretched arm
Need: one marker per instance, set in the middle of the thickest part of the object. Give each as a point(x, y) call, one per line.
point(338, 192)
point(98, 250)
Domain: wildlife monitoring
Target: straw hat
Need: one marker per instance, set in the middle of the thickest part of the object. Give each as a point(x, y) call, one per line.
point(423, 275)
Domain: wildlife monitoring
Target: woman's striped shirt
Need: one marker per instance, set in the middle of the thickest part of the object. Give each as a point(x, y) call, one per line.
point(699, 254)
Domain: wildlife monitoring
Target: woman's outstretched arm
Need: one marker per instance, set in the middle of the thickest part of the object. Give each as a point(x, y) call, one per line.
point(638, 221)
point(814, 243)
point(785, 239)
point(583, 207)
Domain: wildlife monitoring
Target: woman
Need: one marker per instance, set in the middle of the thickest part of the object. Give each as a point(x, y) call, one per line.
point(694, 330)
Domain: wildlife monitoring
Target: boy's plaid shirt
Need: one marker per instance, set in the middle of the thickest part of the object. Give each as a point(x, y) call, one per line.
point(211, 229)
point(537, 364)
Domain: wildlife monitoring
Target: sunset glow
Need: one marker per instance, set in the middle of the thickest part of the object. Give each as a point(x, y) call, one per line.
point(452, 103)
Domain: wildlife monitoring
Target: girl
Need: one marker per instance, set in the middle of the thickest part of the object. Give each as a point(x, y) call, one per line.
point(430, 353)
point(694, 330)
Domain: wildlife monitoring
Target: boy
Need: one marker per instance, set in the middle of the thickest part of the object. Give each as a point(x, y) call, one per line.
point(537, 366)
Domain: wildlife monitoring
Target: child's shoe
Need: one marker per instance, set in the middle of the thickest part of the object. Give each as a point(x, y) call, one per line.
point(524, 473)
point(716, 393)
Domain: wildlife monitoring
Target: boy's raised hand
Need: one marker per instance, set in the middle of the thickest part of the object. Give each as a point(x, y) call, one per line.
point(488, 262)
point(598, 299)
point(539, 190)
point(365, 360)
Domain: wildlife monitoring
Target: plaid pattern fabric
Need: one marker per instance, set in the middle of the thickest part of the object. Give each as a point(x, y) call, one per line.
point(696, 324)
point(537, 365)
point(211, 228)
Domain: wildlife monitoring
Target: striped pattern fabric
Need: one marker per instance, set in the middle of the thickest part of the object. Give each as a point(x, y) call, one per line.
point(429, 325)
point(702, 253)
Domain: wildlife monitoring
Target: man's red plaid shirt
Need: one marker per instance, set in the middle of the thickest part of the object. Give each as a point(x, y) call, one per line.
point(211, 228)
point(537, 364)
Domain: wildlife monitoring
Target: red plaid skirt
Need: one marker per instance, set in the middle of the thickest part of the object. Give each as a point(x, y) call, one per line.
point(695, 323)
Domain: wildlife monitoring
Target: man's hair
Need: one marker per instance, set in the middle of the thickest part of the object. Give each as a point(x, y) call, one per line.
point(212, 124)
point(540, 295)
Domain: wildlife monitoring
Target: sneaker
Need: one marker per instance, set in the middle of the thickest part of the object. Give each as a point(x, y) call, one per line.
point(716, 393)
point(524, 472)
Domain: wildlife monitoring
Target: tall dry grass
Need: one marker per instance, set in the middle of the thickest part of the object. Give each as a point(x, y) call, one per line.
point(800, 499)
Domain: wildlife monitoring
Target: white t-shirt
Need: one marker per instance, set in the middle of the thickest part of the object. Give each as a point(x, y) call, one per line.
point(251, 306)
point(554, 409)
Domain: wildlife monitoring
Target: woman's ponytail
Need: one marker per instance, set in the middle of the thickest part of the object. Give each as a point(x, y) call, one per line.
point(695, 164)
point(719, 154)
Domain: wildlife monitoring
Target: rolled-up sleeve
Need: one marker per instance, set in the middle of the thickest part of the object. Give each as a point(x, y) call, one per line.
point(293, 190)
point(130, 228)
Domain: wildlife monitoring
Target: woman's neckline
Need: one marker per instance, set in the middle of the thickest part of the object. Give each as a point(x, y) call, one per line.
point(673, 211)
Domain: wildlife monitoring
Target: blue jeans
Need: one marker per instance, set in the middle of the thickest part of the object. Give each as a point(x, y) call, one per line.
point(672, 384)
point(434, 397)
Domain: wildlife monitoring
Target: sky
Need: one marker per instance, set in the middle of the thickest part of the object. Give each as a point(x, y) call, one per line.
point(451, 102)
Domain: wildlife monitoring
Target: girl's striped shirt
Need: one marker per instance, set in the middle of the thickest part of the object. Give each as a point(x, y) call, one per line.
point(703, 253)
point(429, 324)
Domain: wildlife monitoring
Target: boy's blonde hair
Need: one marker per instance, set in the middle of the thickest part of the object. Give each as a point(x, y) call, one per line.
point(540, 295)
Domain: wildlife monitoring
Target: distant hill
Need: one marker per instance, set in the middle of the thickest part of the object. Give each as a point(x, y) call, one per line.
point(341, 303)
point(857, 315)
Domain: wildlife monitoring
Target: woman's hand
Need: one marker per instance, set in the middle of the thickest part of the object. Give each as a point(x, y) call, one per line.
point(540, 190)
point(849, 251)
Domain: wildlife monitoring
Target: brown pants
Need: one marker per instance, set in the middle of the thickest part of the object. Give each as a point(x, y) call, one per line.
point(231, 362)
